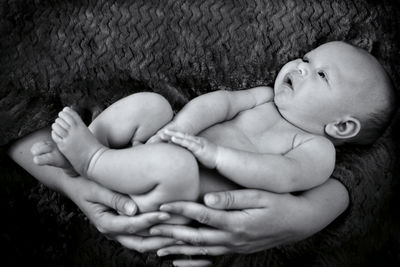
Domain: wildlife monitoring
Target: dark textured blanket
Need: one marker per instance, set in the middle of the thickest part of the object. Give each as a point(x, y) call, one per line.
point(91, 53)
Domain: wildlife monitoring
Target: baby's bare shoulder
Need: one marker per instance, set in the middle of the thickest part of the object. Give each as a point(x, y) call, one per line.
point(314, 143)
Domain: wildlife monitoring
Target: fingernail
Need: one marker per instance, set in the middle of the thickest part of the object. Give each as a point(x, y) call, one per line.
point(130, 208)
point(211, 199)
point(165, 207)
point(164, 216)
point(155, 231)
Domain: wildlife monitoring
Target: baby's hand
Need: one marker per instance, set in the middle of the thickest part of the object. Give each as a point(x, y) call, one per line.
point(155, 139)
point(161, 135)
point(205, 151)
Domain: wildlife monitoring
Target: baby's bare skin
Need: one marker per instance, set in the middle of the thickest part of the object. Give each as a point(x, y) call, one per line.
point(76, 142)
point(264, 138)
point(254, 142)
point(260, 129)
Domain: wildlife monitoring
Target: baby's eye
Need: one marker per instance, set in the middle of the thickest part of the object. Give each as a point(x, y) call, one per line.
point(305, 59)
point(322, 75)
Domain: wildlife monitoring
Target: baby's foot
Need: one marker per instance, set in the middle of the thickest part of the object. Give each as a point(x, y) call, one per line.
point(47, 153)
point(75, 140)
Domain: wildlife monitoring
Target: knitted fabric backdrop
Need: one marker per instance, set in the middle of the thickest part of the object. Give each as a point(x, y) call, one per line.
point(92, 53)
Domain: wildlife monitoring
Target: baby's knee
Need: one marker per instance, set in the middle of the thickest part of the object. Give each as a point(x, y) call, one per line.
point(155, 112)
point(179, 175)
point(184, 175)
point(154, 105)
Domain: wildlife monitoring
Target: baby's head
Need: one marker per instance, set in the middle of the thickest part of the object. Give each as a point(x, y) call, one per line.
point(336, 90)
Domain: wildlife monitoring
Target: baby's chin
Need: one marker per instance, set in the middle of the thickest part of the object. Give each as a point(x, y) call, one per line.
point(279, 81)
point(277, 85)
point(282, 89)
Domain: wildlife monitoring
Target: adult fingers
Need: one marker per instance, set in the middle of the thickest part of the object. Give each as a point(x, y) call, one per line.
point(121, 203)
point(193, 250)
point(194, 236)
point(111, 223)
point(238, 199)
point(191, 263)
point(198, 212)
point(144, 244)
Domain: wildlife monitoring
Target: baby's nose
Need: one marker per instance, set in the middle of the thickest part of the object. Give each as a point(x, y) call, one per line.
point(303, 70)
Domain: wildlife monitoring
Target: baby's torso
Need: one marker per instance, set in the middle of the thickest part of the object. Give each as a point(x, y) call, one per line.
point(261, 129)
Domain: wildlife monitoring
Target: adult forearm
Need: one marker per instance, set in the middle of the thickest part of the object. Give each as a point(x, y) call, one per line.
point(325, 203)
point(19, 151)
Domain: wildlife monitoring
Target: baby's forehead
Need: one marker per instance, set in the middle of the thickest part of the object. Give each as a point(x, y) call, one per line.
point(340, 52)
point(348, 60)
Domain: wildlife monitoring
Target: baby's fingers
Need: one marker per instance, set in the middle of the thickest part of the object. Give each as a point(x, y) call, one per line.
point(181, 135)
point(154, 139)
point(188, 141)
point(159, 137)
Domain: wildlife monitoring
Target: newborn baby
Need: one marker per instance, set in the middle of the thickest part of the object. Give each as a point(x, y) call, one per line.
point(277, 139)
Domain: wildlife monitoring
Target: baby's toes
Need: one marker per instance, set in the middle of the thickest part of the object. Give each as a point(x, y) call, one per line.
point(43, 159)
point(75, 116)
point(62, 123)
point(56, 138)
point(66, 116)
point(60, 131)
point(41, 147)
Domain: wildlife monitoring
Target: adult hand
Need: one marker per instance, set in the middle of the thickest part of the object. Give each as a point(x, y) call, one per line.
point(111, 213)
point(247, 221)
point(98, 203)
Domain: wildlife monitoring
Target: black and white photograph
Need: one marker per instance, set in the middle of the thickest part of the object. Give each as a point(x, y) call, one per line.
point(197, 133)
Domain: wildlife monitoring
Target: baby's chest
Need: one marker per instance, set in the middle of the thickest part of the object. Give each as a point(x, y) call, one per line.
point(260, 130)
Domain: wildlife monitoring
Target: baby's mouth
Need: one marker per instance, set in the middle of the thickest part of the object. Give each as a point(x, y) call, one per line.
point(287, 80)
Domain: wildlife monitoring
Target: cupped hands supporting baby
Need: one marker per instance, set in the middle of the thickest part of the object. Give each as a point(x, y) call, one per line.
point(241, 221)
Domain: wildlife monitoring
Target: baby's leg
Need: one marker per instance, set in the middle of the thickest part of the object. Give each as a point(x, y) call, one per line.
point(131, 120)
point(152, 174)
point(75, 141)
point(164, 171)
point(46, 153)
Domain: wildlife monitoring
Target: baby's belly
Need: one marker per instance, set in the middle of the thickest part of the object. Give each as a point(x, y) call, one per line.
point(228, 135)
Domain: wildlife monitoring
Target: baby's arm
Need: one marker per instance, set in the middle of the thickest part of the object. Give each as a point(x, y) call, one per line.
point(211, 108)
point(308, 164)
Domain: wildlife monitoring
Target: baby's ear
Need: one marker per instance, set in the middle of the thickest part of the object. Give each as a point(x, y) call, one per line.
point(364, 43)
point(346, 128)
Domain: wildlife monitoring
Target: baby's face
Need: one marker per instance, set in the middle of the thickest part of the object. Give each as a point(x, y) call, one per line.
point(322, 86)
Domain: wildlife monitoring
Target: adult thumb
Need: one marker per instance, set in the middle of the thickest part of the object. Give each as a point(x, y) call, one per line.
point(119, 202)
point(237, 199)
